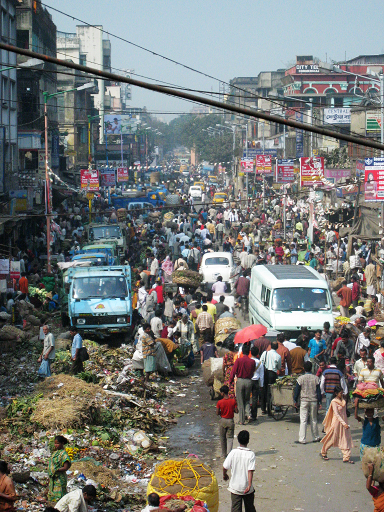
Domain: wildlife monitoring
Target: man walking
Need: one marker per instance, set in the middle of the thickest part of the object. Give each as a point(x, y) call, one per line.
point(243, 369)
point(77, 343)
point(48, 353)
point(272, 364)
point(226, 408)
point(308, 389)
point(330, 378)
point(345, 295)
point(241, 462)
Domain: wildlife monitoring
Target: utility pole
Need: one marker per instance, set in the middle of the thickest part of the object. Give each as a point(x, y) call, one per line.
point(246, 156)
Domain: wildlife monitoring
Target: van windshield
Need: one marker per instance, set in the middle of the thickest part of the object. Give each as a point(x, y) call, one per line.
point(300, 299)
point(99, 287)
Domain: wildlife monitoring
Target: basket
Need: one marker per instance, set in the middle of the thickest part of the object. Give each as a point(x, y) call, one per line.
point(187, 278)
point(227, 325)
point(377, 404)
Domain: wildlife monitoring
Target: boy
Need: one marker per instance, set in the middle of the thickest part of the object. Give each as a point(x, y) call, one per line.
point(226, 408)
point(208, 350)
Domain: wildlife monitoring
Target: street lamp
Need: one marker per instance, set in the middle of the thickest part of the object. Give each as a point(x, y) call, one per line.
point(48, 199)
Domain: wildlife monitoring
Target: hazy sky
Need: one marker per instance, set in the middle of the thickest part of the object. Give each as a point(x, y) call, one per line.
point(225, 39)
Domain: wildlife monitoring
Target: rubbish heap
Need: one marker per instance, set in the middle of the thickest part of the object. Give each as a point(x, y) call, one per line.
point(113, 422)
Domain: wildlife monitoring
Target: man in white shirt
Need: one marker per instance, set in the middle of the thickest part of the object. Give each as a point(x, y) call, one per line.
point(219, 286)
point(272, 362)
point(157, 324)
point(77, 501)
point(241, 462)
point(257, 382)
point(154, 268)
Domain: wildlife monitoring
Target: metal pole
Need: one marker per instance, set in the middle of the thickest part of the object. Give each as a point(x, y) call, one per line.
point(246, 156)
point(284, 214)
point(284, 141)
point(263, 192)
point(47, 186)
point(121, 148)
point(263, 138)
point(381, 110)
point(311, 122)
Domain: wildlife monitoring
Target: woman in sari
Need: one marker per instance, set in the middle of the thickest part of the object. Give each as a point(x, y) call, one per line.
point(377, 493)
point(167, 268)
point(337, 430)
point(228, 362)
point(58, 465)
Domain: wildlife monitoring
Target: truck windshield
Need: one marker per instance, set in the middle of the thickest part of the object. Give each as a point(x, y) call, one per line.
point(100, 232)
point(300, 299)
point(97, 286)
point(92, 250)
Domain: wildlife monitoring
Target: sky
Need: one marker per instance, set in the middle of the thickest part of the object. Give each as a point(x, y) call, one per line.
point(224, 39)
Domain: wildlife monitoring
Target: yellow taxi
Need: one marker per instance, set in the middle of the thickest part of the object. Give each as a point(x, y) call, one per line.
point(220, 197)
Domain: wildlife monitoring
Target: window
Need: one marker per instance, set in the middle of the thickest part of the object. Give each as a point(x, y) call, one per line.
point(23, 39)
point(4, 91)
point(265, 296)
point(83, 59)
point(13, 99)
point(4, 25)
point(83, 134)
point(218, 260)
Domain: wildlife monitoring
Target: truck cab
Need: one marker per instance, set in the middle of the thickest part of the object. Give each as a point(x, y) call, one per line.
point(107, 234)
point(99, 299)
point(109, 249)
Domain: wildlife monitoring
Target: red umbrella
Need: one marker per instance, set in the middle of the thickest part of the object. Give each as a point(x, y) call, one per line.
point(252, 332)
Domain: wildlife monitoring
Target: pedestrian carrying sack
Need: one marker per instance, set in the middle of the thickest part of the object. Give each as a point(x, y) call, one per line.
point(44, 369)
point(83, 354)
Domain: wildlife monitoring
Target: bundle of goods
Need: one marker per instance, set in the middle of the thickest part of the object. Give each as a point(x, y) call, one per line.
point(342, 320)
point(224, 327)
point(168, 216)
point(154, 215)
point(288, 380)
point(181, 503)
point(217, 373)
point(375, 456)
point(121, 214)
point(187, 278)
point(370, 395)
point(337, 284)
point(187, 477)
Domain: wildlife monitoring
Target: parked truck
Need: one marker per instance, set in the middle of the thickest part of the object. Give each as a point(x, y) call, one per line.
point(99, 299)
point(154, 197)
point(107, 234)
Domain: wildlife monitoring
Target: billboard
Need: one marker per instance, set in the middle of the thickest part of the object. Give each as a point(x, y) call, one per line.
point(263, 165)
point(337, 174)
point(284, 171)
point(374, 179)
point(120, 124)
point(337, 115)
point(251, 152)
point(299, 136)
point(89, 180)
point(311, 171)
point(122, 174)
point(107, 178)
point(373, 121)
point(246, 164)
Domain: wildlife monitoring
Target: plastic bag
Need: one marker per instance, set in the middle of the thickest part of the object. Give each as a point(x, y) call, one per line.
point(45, 369)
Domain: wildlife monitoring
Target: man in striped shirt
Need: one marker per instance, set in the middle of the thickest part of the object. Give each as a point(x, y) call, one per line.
point(330, 378)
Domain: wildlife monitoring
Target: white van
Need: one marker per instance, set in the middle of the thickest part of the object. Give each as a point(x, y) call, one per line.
point(215, 264)
point(288, 297)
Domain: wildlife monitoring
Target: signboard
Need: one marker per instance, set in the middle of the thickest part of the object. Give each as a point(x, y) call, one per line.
point(284, 171)
point(374, 179)
point(89, 180)
point(21, 200)
point(41, 154)
point(373, 122)
point(337, 174)
point(307, 68)
point(251, 152)
point(117, 124)
point(246, 164)
point(15, 270)
point(107, 178)
point(311, 171)
point(263, 165)
point(360, 168)
point(299, 136)
point(122, 174)
point(347, 191)
point(337, 115)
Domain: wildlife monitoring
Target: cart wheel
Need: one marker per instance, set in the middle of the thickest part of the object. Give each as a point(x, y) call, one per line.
point(279, 412)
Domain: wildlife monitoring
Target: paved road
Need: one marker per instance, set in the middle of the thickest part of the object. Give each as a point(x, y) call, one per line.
point(289, 476)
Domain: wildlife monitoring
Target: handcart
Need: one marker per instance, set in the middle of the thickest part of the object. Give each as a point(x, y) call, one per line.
point(281, 401)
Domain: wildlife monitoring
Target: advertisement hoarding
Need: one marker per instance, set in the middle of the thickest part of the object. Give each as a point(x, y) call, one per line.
point(107, 178)
point(122, 174)
point(251, 152)
point(373, 122)
point(263, 165)
point(311, 171)
point(374, 179)
point(337, 174)
point(246, 164)
point(337, 115)
point(120, 124)
point(284, 171)
point(89, 180)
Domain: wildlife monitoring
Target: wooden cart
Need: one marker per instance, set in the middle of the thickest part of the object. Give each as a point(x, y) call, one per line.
point(281, 401)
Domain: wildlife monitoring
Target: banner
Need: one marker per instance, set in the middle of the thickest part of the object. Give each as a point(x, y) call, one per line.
point(15, 270)
point(264, 165)
point(107, 178)
point(337, 174)
point(284, 171)
point(299, 136)
point(246, 164)
point(311, 171)
point(122, 174)
point(89, 180)
point(374, 179)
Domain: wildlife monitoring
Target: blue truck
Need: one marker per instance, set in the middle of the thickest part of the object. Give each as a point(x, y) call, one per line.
point(156, 198)
point(99, 299)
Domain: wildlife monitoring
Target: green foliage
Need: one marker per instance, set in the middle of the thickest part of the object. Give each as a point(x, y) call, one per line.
point(337, 159)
